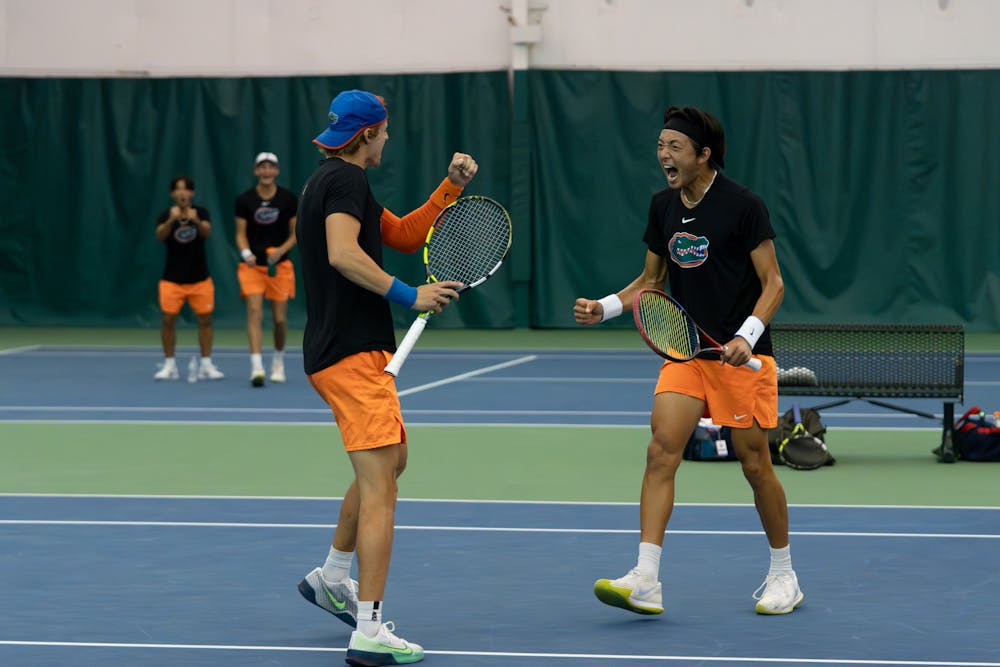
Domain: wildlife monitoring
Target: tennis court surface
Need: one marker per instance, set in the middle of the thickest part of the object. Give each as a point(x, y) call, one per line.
point(169, 523)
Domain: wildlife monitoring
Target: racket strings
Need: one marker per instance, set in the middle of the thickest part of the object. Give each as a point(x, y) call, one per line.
point(469, 241)
point(667, 326)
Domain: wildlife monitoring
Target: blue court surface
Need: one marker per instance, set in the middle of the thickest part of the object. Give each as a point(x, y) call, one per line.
point(212, 581)
point(518, 387)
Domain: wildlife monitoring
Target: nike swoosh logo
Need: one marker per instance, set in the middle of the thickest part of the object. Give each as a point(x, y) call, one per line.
point(684, 221)
point(739, 417)
point(336, 603)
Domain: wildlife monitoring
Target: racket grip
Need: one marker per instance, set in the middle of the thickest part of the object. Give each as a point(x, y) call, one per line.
point(403, 351)
point(796, 413)
point(754, 364)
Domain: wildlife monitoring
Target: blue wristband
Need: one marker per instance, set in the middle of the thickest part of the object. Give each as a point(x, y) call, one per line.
point(401, 293)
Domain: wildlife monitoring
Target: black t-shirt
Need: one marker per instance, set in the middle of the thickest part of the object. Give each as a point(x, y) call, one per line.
point(186, 262)
point(708, 248)
point(268, 220)
point(342, 318)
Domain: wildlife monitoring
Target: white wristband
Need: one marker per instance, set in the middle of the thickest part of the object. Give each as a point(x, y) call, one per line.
point(612, 306)
point(246, 254)
point(751, 330)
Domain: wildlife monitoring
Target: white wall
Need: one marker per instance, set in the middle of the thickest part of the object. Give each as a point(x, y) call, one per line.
point(287, 37)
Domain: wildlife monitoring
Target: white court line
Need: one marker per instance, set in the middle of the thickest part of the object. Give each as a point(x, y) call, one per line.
point(472, 501)
point(486, 529)
point(18, 350)
point(509, 654)
point(470, 374)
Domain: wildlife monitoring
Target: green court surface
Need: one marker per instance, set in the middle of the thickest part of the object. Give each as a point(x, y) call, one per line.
point(884, 467)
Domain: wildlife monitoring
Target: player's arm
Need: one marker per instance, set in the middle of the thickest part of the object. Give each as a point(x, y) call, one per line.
point(347, 257)
point(653, 276)
point(407, 234)
point(765, 265)
point(242, 243)
point(193, 217)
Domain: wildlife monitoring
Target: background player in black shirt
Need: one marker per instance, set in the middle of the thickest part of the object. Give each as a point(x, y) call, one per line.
point(265, 233)
point(183, 228)
point(710, 239)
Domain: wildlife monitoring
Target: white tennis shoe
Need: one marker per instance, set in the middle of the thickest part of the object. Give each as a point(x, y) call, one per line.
point(779, 594)
point(208, 371)
point(277, 370)
point(168, 371)
point(634, 592)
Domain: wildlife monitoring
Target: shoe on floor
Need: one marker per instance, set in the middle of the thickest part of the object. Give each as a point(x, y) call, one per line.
point(257, 377)
point(168, 371)
point(779, 594)
point(208, 371)
point(339, 598)
point(385, 648)
point(634, 592)
point(277, 371)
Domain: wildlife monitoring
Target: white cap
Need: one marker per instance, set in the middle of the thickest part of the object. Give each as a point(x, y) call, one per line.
point(265, 157)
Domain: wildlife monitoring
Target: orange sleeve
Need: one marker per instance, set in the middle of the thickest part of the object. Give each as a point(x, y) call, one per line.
point(407, 234)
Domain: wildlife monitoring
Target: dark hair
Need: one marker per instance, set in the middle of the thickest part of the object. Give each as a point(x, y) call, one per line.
point(188, 182)
point(706, 127)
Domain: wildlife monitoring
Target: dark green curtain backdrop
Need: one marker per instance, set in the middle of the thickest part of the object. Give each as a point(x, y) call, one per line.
point(881, 185)
point(85, 167)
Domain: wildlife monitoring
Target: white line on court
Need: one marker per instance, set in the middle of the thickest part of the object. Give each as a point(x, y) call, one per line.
point(470, 374)
point(472, 501)
point(18, 350)
point(508, 654)
point(486, 529)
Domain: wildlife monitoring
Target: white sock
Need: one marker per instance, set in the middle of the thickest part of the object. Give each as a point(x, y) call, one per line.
point(206, 361)
point(337, 565)
point(369, 617)
point(169, 362)
point(257, 362)
point(279, 355)
point(781, 560)
point(649, 560)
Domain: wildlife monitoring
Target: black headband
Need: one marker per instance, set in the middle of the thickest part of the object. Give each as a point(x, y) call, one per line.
point(695, 133)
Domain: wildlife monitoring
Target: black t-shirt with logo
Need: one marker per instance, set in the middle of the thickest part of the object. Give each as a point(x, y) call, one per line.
point(342, 318)
point(186, 261)
point(268, 220)
point(709, 270)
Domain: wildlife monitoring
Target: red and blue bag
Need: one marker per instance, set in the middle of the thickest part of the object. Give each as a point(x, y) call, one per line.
point(977, 435)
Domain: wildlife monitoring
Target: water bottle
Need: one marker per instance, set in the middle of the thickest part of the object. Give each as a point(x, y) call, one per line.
point(193, 370)
point(272, 267)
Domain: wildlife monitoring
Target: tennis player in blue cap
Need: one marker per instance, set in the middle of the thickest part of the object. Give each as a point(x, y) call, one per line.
point(349, 339)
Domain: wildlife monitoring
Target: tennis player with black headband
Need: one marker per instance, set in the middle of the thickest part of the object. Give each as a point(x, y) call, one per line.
point(711, 239)
point(348, 340)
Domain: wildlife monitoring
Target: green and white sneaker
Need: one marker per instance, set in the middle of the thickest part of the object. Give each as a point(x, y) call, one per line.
point(384, 648)
point(339, 598)
point(633, 592)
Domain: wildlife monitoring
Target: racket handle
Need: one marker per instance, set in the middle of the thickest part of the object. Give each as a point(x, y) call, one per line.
point(796, 413)
point(754, 364)
point(403, 351)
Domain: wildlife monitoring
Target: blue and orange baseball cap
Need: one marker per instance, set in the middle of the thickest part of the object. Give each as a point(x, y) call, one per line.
point(350, 112)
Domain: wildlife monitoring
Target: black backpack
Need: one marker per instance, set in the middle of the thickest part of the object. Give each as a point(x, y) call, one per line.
point(799, 440)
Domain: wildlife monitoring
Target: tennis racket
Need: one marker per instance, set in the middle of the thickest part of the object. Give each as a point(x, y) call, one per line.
point(669, 330)
point(467, 243)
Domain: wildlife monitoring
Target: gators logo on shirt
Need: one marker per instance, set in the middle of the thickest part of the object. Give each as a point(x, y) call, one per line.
point(185, 233)
point(688, 250)
point(266, 215)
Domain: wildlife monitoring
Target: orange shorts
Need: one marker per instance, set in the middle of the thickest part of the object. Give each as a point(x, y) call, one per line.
point(363, 399)
point(279, 287)
point(200, 295)
point(735, 395)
